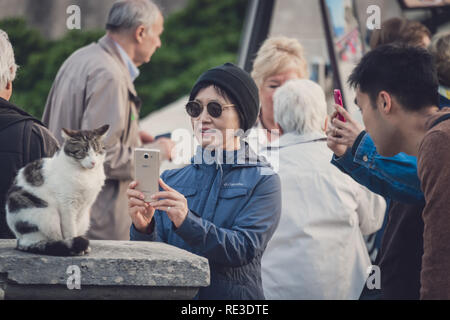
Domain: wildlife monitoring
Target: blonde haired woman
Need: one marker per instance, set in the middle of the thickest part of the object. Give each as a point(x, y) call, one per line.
point(278, 60)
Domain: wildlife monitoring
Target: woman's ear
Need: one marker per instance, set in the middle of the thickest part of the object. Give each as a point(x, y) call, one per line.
point(280, 129)
point(325, 125)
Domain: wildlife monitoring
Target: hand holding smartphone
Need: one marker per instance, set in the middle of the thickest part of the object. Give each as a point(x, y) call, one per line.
point(147, 171)
point(338, 100)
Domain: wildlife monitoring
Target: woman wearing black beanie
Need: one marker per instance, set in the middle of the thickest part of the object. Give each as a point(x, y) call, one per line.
point(226, 204)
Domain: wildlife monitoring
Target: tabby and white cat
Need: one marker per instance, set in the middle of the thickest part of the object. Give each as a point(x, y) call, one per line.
point(48, 205)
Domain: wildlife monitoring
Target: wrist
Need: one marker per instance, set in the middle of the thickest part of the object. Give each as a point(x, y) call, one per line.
point(340, 153)
point(179, 221)
point(147, 229)
point(357, 142)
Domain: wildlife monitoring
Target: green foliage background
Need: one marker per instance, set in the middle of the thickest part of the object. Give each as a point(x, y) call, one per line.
point(204, 34)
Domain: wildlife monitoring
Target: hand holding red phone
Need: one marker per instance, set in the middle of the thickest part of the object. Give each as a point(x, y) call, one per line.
point(341, 135)
point(338, 101)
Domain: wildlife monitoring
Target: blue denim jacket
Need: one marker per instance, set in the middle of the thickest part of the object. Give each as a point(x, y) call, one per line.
point(394, 178)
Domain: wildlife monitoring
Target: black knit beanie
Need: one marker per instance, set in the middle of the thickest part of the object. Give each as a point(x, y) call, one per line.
point(239, 85)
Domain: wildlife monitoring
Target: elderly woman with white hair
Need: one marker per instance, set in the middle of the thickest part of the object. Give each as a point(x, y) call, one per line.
point(318, 250)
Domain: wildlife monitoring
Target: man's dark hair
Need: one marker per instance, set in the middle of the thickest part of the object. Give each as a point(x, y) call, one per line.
point(407, 73)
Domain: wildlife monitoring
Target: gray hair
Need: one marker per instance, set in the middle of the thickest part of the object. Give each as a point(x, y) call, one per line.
point(300, 106)
point(129, 14)
point(440, 50)
point(8, 65)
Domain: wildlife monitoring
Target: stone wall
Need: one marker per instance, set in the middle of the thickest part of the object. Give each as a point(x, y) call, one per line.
point(112, 270)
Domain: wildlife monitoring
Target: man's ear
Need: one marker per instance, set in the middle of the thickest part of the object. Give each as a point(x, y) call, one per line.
point(139, 33)
point(384, 102)
point(8, 90)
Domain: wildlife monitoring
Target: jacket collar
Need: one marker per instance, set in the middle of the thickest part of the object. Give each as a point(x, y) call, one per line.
point(292, 138)
point(6, 105)
point(109, 45)
point(132, 69)
point(9, 114)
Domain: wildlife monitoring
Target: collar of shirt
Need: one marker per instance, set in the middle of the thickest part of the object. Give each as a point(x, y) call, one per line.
point(132, 69)
point(292, 138)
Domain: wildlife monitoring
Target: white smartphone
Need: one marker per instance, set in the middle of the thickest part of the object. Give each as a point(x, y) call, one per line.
point(146, 169)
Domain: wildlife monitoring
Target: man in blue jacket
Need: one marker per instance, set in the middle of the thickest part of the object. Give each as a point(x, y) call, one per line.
point(396, 179)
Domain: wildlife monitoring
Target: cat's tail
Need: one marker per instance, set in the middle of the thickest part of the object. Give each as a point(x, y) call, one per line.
point(69, 247)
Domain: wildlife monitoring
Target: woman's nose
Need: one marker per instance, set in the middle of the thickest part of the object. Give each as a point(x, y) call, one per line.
point(204, 115)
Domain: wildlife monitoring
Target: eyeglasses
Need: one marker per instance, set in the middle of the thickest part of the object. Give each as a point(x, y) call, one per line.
point(195, 109)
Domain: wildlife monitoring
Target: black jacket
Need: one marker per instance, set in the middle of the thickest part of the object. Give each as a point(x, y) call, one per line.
point(400, 257)
point(23, 139)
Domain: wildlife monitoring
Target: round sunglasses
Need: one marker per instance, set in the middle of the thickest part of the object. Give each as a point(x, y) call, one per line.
point(195, 109)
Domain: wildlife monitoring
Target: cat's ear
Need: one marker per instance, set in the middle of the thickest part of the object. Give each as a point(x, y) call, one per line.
point(67, 133)
point(101, 132)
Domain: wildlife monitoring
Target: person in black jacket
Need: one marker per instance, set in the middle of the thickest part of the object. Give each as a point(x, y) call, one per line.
point(23, 138)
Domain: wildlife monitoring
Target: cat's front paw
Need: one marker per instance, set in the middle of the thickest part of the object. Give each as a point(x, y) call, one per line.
point(82, 253)
point(80, 246)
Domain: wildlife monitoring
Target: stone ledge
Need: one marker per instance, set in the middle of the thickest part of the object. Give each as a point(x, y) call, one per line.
point(112, 270)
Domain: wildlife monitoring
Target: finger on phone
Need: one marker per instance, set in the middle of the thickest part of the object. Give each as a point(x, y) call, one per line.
point(339, 124)
point(163, 194)
point(132, 184)
point(135, 194)
point(136, 202)
point(163, 208)
point(341, 110)
point(163, 203)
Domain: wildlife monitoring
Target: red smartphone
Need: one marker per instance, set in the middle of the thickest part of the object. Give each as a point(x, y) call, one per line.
point(338, 100)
